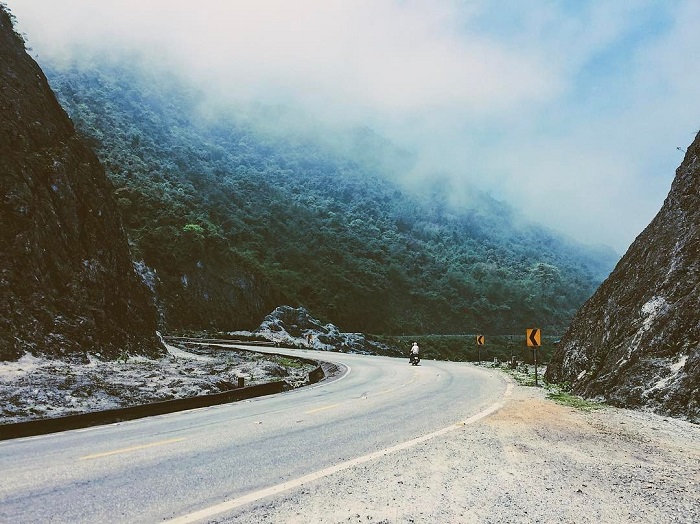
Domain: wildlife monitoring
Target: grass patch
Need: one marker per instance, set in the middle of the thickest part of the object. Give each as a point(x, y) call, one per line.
point(524, 375)
point(567, 399)
point(522, 378)
point(289, 362)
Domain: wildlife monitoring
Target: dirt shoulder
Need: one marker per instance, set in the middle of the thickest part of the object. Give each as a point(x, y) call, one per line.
point(533, 461)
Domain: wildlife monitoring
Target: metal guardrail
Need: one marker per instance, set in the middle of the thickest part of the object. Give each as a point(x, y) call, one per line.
point(220, 341)
point(110, 416)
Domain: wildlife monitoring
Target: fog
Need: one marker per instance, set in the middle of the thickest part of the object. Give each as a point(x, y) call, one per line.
point(570, 111)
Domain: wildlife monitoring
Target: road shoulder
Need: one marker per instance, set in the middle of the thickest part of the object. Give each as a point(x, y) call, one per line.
point(532, 461)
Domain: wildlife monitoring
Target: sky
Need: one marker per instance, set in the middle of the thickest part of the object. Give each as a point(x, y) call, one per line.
point(573, 111)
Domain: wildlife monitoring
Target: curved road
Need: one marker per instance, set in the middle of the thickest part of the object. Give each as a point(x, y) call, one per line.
point(193, 465)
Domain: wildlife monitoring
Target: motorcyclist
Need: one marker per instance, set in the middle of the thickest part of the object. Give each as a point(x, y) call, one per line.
point(415, 352)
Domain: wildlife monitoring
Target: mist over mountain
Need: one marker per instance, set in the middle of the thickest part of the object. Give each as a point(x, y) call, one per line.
point(233, 218)
point(563, 109)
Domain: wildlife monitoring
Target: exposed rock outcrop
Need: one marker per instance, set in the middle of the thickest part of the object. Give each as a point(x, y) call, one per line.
point(217, 292)
point(636, 342)
point(295, 327)
point(67, 282)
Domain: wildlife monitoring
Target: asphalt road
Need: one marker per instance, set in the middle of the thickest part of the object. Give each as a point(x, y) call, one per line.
point(171, 467)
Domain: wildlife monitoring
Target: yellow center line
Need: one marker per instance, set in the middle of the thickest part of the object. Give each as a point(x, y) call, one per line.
point(365, 397)
point(321, 409)
point(133, 448)
point(387, 391)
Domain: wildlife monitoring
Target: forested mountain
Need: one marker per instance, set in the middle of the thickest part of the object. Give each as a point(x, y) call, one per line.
point(234, 221)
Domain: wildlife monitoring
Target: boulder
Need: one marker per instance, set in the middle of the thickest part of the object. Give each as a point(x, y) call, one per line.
point(289, 326)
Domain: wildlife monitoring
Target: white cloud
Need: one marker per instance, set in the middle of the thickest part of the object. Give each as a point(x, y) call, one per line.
point(380, 55)
point(570, 110)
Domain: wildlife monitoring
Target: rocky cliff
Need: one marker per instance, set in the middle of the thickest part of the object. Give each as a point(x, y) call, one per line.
point(295, 327)
point(636, 341)
point(217, 291)
point(67, 282)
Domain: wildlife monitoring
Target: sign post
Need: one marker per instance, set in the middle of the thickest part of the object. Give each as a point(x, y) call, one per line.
point(533, 338)
point(479, 343)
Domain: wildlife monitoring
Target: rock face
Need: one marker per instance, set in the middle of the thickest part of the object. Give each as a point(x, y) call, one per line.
point(216, 292)
point(67, 282)
point(295, 327)
point(636, 342)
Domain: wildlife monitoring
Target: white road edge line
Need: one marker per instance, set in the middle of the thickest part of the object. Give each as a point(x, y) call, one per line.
point(291, 484)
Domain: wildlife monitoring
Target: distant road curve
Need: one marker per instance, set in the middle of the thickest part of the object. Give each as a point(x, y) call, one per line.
point(193, 465)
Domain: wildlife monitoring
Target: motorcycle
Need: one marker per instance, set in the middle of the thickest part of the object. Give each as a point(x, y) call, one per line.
point(414, 359)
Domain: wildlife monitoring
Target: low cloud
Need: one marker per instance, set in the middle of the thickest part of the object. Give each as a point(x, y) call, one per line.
point(571, 111)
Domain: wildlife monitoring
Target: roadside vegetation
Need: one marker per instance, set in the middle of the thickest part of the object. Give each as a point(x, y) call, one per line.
point(524, 375)
point(567, 399)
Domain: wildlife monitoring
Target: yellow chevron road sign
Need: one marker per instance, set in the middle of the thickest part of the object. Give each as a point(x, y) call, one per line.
point(533, 337)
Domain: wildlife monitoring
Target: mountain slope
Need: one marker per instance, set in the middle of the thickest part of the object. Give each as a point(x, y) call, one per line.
point(67, 283)
point(319, 229)
point(636, 342)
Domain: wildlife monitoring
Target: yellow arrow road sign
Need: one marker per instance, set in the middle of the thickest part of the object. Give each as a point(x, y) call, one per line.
point(480, 340)
point(533, 337)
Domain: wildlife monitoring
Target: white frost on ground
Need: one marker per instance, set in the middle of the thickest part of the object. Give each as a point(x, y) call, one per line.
point(35, 387)
point(26, 364)
point(675, 368)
